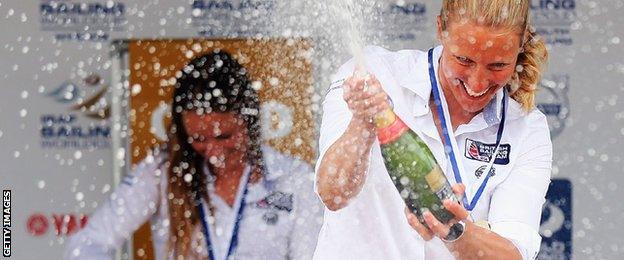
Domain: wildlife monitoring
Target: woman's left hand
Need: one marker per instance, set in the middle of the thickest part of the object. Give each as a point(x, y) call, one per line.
point(433, 226)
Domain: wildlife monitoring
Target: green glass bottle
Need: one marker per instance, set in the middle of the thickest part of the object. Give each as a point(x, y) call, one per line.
point(413, 168)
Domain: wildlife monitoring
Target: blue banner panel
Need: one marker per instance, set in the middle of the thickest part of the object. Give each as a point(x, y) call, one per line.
point(556, 223)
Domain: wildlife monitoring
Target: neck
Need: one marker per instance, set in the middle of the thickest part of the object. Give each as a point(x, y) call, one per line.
point(458, 114)
point(228, 178)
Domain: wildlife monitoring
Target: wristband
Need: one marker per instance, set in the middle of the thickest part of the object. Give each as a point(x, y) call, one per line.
point(456, 231)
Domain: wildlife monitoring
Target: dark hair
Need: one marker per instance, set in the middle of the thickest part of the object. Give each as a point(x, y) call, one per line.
point(213, 82)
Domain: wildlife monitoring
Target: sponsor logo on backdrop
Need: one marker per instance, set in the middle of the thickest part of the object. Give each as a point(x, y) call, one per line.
point(82, 21)
point(556, 222)
point(232, 18)
point(39, 224)
point(85, 126)
point(554, 19)
point(553, 101)
point(402, 21)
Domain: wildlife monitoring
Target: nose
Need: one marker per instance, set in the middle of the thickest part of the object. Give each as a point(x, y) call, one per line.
point(208, 149)
point(478, 80)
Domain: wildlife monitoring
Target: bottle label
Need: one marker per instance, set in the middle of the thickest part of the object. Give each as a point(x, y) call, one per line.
point(438, 184)
point(392, 132)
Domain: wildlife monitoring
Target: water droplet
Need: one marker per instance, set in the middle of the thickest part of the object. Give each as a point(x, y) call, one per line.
point(79, 196)
point(121, 154)
point(16, 154)
point(213, 159)
point(188, 177)
point(24, 94)
point(196, 12)
point(256, 85)
point(136, 89)
point(274, 81)
point(78, 155)
point(404, 180)
point(23, 112)
point(106, 188)
point(41, 184)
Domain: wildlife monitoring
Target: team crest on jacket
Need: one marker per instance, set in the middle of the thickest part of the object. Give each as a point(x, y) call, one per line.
point(481, 169)
point(277, 200)
point(479, 151)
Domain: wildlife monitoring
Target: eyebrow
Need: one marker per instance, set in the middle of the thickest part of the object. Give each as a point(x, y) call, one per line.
point(489, 64)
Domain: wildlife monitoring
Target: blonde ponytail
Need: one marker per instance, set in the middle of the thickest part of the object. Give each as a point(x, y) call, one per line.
point(529, 71)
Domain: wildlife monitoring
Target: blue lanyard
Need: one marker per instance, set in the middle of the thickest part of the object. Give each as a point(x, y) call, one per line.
point(449, 149)
point(239, 217)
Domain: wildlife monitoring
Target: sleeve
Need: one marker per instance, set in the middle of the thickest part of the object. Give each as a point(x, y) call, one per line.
point(516, 203)
point(336, 114)
point(133, 202)
point(308, 216)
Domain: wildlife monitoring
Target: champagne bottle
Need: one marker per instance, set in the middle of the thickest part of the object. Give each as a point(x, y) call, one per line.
point(413, 168)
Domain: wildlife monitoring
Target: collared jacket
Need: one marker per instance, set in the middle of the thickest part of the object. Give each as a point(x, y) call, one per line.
point(281, 219)
point(373, 224)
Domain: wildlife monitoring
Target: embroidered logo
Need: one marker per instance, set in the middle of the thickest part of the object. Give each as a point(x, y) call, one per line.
point(481, 169)
point(479, 151)
point(277, 201)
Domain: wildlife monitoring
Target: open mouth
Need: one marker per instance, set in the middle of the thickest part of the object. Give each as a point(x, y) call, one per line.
point(472, 93)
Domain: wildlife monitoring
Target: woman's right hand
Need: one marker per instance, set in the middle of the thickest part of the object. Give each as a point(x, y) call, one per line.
point(342, 171)
point(364, 100)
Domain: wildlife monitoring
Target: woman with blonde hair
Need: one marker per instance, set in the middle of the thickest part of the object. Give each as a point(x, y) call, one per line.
point(471, 100)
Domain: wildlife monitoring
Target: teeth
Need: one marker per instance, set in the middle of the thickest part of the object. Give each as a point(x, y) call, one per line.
point(472, 93)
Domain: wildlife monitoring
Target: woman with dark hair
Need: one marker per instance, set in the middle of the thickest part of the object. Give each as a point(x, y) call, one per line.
point(213, 191)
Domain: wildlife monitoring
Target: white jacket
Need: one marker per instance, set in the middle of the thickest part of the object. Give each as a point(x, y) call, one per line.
point(373, 225)
point(267, 231)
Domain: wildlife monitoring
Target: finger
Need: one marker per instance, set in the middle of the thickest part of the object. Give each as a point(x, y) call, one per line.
point(459, 189)
point(374, 110)
point(456, 209)
point(439, 229)
point(358, 83)
point(423, 231)
point(357, 93)
point(382, 99)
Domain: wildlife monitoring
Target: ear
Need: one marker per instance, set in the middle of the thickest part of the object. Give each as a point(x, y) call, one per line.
point(439, 28)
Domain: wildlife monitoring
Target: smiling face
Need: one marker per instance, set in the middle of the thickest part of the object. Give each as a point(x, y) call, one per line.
point(219, 137)
point(477, 61)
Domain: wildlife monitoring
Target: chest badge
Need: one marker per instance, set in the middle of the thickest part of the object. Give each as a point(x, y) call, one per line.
point(481, 169)
point(270, 217)
point(479, 151)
